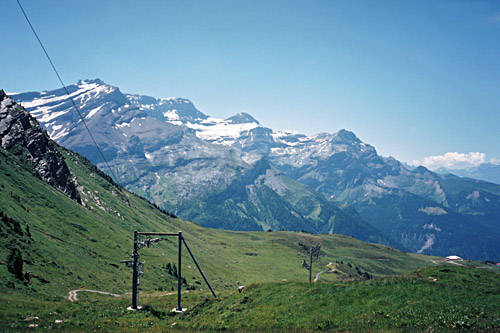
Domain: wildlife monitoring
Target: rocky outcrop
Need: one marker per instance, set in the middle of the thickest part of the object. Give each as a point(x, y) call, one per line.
point(21, 135)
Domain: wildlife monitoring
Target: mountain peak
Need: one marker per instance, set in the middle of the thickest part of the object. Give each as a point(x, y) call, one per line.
point(347, 135)
point(423, 171)
point(91, 81)
point(242, 118)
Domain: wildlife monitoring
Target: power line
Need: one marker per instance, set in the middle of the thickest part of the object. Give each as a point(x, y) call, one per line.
point(72, 101)
point(67, 92)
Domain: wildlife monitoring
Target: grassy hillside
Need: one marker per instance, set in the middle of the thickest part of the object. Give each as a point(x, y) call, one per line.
point(65, 245)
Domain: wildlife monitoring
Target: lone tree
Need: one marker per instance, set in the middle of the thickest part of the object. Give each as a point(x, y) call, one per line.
point(313, 252)
point(15, 263)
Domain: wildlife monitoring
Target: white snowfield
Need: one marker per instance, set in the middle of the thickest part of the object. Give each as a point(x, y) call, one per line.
point(215, 129)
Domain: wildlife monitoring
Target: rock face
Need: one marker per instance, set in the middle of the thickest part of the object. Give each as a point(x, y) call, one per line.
point(21, 135)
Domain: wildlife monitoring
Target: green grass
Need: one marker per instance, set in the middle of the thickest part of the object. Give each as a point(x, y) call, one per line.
point(437, 297)
point(73, 246)
point(434, 298)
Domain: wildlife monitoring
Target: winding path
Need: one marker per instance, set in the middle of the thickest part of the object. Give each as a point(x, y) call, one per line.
point(330, 270)
point(73, 293)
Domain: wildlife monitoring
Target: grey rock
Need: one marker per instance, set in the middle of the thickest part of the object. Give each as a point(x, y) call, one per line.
point(21, 135)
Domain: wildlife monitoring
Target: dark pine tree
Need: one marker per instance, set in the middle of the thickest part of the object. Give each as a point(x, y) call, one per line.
point(15, 263)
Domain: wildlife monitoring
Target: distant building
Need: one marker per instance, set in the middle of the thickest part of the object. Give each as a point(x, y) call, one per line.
point(453, 258)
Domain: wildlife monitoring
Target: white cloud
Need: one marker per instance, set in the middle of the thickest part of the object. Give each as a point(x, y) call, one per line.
point(494, 161)
point(453, 160)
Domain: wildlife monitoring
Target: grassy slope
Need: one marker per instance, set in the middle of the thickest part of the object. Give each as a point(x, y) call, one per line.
point(74, 246)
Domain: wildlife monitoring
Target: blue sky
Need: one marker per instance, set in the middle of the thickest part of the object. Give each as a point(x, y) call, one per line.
point(412, 78)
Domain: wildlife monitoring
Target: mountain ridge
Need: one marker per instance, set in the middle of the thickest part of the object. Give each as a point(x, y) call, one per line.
point(196, 179)
point(489, 172)
point(182, 155)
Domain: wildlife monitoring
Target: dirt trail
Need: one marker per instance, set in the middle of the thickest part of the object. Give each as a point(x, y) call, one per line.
point(439, 262)
point(329, 270)
point(72, 297)
point(73, 293)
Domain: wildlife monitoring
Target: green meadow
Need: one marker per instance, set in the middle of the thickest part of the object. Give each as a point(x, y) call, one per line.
point(67, 246)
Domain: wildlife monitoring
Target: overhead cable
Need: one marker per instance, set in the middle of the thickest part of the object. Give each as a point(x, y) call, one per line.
point(67, 92)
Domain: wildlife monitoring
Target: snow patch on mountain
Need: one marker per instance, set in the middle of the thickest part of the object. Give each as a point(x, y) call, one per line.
point(431, 226)
point(123, 125)
point(171, 115)
point(93, 112)
point(47, 115)
point(220, 131)
point(57, 134)
point(473, 195)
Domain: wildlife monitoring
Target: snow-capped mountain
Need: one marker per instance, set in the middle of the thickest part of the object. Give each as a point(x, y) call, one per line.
point(238, 174)
point(158, 148)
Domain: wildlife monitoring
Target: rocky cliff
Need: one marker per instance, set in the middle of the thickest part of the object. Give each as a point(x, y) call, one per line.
point(21, 135)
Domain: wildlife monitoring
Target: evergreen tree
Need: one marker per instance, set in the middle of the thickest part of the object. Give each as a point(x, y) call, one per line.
point(17, 228)
point(15, 263)
point(28, 233)
point(175, 271)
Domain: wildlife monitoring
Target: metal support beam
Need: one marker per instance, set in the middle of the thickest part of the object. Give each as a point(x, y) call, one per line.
point(199, 268)
point(179, 274)
point(135, 265)
point(310, 264)
point(135, 272)
point(157, 234)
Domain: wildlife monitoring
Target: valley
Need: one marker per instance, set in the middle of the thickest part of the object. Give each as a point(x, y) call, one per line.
point(237, 174)
point(54, 242)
